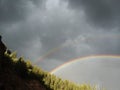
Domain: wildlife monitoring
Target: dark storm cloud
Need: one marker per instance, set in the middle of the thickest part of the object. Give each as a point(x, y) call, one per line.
point(37, 30)
point(57, 33)
point(14, 24)
point(104, 13)
point(14, 10)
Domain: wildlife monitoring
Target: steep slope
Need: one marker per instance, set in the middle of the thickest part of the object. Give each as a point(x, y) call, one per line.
point(11, 80)
point(19, 74)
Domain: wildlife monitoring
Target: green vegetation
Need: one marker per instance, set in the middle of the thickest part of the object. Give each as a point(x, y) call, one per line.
point(26, 70)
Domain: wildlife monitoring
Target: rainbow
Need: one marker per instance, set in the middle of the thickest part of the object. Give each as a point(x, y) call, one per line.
point(50, 52)
point(84, 58)
point(65, 44)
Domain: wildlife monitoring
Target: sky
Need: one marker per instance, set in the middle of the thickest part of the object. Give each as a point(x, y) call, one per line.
point(52, 32)
point(103, 71)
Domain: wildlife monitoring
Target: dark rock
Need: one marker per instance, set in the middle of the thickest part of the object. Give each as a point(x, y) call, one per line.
point(2, 47)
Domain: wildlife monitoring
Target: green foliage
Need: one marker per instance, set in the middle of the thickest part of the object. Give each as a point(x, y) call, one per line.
point(56, 83)
point(27, 71)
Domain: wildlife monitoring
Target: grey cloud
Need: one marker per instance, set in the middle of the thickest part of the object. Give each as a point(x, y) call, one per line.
point(14, 10)
point(105, 43)
point(58, 31)
point(25, 42)
point(95, 43)
point(38, 3)
point(21, 35)
point(103, 13)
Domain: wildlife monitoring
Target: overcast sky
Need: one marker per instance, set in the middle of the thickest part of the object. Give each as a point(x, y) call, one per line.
point(51, 32)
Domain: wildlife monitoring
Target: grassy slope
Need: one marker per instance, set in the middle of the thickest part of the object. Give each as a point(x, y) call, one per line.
point(44, 80)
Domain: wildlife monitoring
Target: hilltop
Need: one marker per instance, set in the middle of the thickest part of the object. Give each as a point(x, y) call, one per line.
point(19, 74)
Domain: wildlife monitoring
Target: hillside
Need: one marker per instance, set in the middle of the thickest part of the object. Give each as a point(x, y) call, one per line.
point(19, 74)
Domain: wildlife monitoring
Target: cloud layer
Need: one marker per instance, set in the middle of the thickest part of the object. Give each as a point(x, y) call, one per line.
point(16, 10)
point(103, 13)
point(58, 31)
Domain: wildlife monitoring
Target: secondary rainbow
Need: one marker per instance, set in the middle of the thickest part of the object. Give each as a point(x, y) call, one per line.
point(63, 45)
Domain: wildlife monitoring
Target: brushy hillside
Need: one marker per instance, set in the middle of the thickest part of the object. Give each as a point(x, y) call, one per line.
point(19, 74)
point(26, 75)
